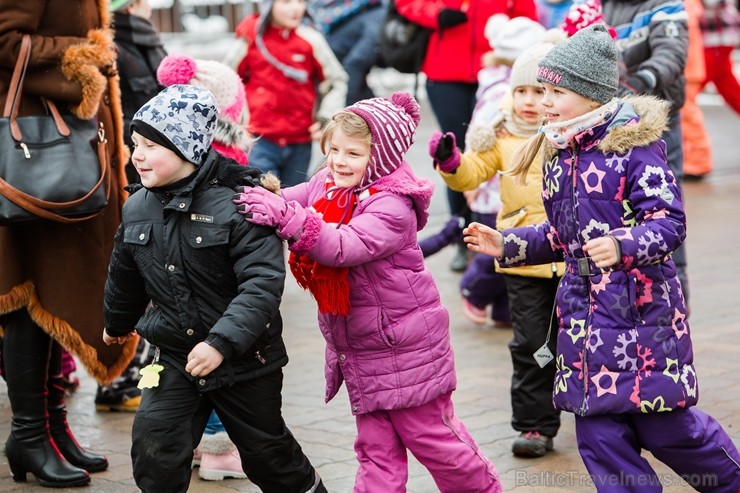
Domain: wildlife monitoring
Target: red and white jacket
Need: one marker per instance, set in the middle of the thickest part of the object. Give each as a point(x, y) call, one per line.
point(281, 109)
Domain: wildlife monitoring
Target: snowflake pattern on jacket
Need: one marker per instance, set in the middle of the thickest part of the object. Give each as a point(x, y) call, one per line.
point(623, 338)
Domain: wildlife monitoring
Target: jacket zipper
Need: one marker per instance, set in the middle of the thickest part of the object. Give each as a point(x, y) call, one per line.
point(584, 358)
point(514, 213)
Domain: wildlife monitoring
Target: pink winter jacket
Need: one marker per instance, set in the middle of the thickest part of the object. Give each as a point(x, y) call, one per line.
point(393, 349)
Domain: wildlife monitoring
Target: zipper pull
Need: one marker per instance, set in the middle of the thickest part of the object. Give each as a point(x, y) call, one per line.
point(26, 152)
point(259, 357)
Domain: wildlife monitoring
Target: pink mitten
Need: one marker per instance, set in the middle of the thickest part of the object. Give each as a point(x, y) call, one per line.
point(443, 149)
point(260, 206)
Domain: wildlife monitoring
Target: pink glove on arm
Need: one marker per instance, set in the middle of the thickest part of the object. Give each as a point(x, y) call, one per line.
point(443, 149)
point(260, 206)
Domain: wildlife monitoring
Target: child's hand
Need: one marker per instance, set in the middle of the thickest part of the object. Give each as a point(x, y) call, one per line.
point(482, 239)
point(443, 149)
point(203, 359)
point(260, 206)
point(603, 251)
point(108, 340)
point(315, 130)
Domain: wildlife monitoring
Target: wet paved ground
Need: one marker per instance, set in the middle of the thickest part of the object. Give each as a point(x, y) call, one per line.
point(326, 431)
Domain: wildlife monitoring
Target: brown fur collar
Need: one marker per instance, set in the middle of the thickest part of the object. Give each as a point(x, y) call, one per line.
point(653, 114)
point(82, 63)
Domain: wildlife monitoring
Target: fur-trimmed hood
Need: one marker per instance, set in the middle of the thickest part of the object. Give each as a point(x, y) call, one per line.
point(638, 122)
point(404, 182)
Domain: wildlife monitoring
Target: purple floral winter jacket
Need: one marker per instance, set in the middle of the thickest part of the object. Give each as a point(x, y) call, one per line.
point(393, 349)
point(623, 339)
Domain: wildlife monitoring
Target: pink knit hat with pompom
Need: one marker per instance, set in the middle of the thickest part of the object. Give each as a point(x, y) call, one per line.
point(231, 138)
point(582, 15)
point(393, 125)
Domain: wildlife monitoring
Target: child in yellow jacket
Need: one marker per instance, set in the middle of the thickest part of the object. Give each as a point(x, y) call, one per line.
point(531, 289)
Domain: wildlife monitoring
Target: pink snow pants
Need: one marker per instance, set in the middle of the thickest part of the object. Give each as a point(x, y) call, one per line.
point(437, 439)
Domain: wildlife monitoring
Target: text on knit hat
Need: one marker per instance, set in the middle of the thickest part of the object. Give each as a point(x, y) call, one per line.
point(585, 63)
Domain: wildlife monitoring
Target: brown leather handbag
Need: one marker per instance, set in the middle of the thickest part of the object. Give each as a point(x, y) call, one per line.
point(52, 166)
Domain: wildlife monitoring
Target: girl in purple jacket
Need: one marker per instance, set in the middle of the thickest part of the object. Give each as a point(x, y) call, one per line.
point(352, 232)
point(624, 363)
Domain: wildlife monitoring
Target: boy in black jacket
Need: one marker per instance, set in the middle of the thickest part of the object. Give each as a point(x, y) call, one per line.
point(215, 282)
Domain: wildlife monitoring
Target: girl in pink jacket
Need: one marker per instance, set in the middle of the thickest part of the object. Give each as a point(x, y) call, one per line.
point(352, 231)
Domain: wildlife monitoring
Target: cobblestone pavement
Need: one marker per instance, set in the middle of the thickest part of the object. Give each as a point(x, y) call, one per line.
point(326, 431)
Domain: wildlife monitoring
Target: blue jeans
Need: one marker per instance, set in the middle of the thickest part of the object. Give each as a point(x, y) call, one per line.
point(289, 163)
point(214, 424)
point(356, 46)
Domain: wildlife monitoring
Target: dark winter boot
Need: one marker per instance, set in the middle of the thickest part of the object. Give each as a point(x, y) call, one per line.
point(29, 447)
point(58, 427)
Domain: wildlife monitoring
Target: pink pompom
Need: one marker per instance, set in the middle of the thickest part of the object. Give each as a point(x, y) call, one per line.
point(406, 101)
point(176, 69)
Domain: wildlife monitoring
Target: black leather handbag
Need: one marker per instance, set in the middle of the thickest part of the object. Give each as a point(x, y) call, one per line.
point(52, 166)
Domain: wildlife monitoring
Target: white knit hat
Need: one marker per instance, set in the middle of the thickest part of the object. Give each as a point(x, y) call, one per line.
point(524, 70)
point(510, 37)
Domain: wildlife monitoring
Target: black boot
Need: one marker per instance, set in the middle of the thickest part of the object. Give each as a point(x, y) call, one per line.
point(58, 427)
point(25, 368)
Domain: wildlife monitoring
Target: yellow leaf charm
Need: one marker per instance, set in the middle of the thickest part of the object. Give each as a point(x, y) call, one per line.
point(149, 376)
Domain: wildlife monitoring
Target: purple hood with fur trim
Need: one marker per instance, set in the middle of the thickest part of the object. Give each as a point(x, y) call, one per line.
point(393, 349)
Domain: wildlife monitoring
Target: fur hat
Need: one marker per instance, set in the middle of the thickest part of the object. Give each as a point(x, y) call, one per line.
point(585, 14)
point(181, 118)
point(231, 138)
point(585, 63)
point(510, 37)
point(524, 70)
point(393, 125)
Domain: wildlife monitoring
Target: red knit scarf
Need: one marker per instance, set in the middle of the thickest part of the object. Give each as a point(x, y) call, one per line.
point(328, 285)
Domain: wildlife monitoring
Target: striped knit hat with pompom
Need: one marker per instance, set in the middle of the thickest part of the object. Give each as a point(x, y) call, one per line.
point(393, 125)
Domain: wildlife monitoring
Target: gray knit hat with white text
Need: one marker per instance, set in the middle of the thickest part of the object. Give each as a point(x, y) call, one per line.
point(585, 63)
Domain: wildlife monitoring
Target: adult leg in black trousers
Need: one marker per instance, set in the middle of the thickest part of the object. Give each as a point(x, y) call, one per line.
point(26, 353)
point(453, 104)
point(58, 427)
point(674, 150)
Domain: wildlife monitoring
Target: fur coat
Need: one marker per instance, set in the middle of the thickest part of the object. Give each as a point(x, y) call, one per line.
point(57, 271)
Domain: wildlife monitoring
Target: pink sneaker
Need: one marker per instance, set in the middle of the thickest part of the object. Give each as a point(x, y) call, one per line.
point(476, 315)
point(220, 458)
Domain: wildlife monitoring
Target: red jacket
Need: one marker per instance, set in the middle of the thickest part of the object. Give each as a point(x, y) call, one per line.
point(280, 108)
point(454, 54)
